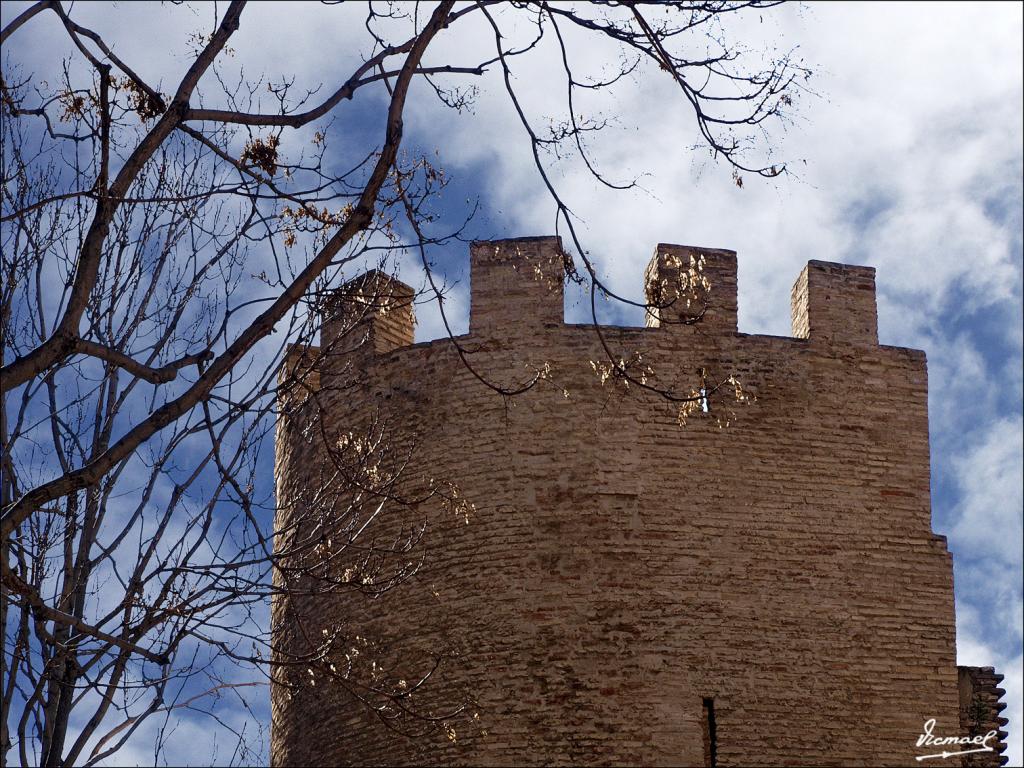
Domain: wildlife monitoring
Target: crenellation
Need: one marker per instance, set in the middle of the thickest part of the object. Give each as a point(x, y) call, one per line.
point(691, 287)
point(378, 305)
point(622, 574)
point(981, 708)
point(835, 304)
point(516, 286)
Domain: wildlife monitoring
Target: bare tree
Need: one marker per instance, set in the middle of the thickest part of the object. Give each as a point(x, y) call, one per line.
point(141, 347)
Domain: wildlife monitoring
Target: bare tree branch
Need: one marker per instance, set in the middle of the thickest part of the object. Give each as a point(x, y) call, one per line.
point(167, 260)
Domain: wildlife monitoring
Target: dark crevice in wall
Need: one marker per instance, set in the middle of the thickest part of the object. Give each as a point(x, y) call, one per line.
point(710, 735)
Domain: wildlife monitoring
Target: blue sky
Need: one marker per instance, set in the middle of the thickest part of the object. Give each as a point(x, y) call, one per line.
point(913, 150)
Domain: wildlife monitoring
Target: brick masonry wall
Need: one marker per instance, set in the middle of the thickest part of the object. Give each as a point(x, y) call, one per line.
point(981, 714)
point(773, 556)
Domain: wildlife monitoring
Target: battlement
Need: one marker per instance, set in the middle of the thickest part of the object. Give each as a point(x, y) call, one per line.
point(688, 286)
point(981, 713)
point(636, 580)
point(521, 278)
point(377, 307)
point(517, 288)
point(835, 304)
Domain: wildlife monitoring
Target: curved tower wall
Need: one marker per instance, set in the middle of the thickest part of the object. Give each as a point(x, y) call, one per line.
point(623, 579)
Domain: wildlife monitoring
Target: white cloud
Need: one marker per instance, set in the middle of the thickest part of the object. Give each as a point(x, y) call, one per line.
point(990, 476)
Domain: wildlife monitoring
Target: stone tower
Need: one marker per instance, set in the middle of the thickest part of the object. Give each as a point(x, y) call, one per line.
point(759, 585)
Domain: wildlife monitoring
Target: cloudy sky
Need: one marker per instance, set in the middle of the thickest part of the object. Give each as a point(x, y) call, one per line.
point(908, 158)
